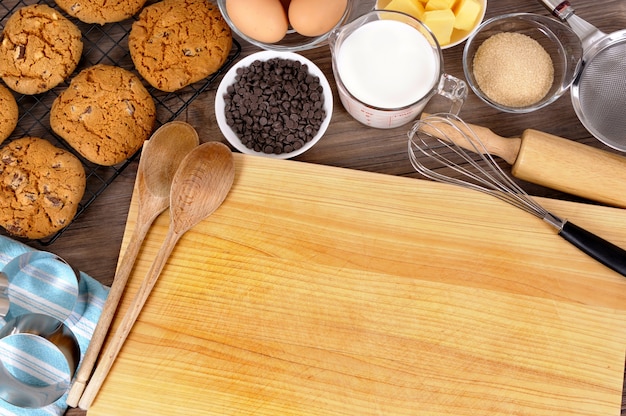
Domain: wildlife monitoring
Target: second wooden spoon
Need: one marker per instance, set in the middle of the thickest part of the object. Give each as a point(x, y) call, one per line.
point(159, 161)
point(200, 185)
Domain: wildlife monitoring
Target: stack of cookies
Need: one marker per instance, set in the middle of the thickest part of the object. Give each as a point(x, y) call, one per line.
point(106, 112)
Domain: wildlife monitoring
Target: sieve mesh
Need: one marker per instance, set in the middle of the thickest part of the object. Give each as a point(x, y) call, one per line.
point(602, 92)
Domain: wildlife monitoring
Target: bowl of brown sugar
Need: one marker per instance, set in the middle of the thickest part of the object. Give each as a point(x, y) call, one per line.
point(521, 62)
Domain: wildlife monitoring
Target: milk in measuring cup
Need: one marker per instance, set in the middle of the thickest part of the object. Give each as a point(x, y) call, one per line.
point(387, 64)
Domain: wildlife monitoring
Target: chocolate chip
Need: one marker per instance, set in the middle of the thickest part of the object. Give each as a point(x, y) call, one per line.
point(54, 201)
point(17, 180)
point(270, 105)
point(8, 159)
point(130, 108)
point(20, 52)
point(13, 228)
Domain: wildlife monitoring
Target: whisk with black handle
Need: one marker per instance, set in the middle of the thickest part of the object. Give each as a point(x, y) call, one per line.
point(463, 153)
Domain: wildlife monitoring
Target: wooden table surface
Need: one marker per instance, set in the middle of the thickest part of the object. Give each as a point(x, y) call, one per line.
point(92, 243)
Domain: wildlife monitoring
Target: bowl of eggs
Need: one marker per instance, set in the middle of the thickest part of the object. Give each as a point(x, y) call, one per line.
point(286, 25)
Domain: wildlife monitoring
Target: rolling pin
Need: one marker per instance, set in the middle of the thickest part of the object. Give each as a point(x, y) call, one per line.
point(557, 163)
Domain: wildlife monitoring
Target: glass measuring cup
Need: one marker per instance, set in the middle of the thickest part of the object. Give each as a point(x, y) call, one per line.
point(387, 66)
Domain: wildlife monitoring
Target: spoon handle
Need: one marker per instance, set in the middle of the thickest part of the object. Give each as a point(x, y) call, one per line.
point(119, 337)
point(109, 308)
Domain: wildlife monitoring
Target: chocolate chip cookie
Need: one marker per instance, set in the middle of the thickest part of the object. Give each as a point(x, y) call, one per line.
point(175, 43)
point(101, 11)
point(9, 113)
point(39, 49)
point(40, 187)
point(105, 114)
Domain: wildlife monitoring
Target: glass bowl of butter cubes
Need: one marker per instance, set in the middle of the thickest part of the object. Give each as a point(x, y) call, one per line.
point(451, 21)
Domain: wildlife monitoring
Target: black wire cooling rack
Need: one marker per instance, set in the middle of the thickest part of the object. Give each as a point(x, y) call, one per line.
point(102, 44)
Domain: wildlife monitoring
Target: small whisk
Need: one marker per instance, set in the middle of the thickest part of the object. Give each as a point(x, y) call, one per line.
point(446, 140)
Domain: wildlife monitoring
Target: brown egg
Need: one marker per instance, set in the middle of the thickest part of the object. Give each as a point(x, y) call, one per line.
point(315, 17)
point(262, 20)
point(285, 4)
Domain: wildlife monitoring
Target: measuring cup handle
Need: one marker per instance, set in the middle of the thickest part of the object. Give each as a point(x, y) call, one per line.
point(455, 90)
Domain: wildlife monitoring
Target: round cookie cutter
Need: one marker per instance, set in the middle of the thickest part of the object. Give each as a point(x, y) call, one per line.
point(39, 353)
point(4, 294)
point(39, 282)
point(47, 340)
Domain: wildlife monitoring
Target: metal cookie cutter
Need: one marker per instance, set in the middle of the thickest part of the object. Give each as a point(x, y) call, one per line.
point(39, 354)
point(4, 295)
point(47, 339)
point(40, 282)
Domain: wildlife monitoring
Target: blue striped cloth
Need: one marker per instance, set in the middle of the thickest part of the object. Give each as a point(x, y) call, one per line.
point(47, 364)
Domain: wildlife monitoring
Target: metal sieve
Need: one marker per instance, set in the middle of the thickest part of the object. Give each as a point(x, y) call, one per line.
point(599, 91)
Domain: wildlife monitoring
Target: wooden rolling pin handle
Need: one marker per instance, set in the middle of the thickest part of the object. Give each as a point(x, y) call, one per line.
point(571, 167)
point(506, 148)
point(496, 145)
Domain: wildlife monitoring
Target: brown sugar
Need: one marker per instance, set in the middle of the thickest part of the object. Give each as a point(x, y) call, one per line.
point(513, 69)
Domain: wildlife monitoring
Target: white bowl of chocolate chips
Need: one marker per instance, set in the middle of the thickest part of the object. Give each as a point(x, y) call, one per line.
point(274, 104)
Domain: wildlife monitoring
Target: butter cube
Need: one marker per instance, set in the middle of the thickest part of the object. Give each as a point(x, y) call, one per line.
point(467, 13)
point(441, 23)
point(411, 7)
point(440, 4)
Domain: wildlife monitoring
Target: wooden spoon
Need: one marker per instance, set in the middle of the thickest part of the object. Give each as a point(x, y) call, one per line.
point(159, 161)
point(200, 185)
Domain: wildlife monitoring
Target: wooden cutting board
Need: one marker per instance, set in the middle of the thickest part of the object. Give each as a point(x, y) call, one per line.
point(316, 290)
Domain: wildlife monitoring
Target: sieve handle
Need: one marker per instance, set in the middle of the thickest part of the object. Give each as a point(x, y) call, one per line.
point(588, 33)
point(603, 251)
point(561, 9)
